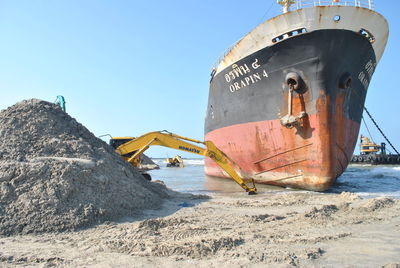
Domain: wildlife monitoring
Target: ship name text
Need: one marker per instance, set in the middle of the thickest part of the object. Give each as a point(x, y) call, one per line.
point(240, 76)
point(365, 75)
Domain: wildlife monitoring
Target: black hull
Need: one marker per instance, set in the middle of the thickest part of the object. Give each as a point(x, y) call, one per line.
point(321, 57)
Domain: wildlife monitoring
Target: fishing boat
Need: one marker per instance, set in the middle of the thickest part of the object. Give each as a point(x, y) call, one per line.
point(285, 102)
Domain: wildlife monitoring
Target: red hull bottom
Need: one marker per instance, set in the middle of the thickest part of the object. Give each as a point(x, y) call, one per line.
point(309, 157)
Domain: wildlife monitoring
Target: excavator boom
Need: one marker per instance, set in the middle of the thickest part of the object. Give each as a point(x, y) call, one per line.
point(132, 150)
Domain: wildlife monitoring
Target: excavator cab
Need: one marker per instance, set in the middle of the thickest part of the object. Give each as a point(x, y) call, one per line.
point(118, 141)
point(115, 142)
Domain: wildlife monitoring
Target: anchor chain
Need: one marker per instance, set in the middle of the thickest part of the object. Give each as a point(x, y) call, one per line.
point(380, 130)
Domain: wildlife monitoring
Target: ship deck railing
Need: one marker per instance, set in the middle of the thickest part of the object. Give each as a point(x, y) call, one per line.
point(220, 58)
point(312, 3)
point(299, 4)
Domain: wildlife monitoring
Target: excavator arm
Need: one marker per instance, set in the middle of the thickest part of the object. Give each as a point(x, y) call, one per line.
point(132, 150)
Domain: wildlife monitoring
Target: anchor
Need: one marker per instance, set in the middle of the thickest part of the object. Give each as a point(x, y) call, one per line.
point(295, 83)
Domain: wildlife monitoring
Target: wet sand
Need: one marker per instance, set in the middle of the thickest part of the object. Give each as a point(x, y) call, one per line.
point(267, 230)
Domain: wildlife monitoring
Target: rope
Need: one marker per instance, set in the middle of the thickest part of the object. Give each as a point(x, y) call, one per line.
point(380, 130)
point(365, 124)
point(373, 121)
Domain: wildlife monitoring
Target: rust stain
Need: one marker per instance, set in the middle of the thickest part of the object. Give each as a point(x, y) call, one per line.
point(325, 137)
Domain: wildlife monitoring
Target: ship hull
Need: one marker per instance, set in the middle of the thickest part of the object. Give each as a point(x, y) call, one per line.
point(306, 165)
point(249, 100)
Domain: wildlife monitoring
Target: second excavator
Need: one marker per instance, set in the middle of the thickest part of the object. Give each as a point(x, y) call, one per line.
point(176, 161)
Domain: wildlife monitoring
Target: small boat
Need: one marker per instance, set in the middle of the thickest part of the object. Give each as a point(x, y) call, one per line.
point(374, 154)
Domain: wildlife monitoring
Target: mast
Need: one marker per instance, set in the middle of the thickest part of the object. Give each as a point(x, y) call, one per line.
point(285, 4)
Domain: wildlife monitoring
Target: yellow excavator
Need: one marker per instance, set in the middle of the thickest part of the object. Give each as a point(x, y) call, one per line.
point(131, 148)
point(176, 161)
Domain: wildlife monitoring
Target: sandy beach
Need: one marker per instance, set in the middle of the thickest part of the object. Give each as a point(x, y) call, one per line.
point(71, 201)
point(267, 230)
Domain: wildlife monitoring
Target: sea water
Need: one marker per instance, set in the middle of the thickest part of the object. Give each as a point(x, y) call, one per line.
point(365, 180)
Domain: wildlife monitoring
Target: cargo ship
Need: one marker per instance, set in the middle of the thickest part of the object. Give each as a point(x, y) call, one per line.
point(285, 102)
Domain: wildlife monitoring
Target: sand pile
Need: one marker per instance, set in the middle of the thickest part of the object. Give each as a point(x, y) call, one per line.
point(56, 175)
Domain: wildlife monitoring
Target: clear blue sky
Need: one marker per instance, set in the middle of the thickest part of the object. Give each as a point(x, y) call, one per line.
point(130, 67)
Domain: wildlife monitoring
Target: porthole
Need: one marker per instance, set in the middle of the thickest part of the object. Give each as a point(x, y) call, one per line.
point(336, 18)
